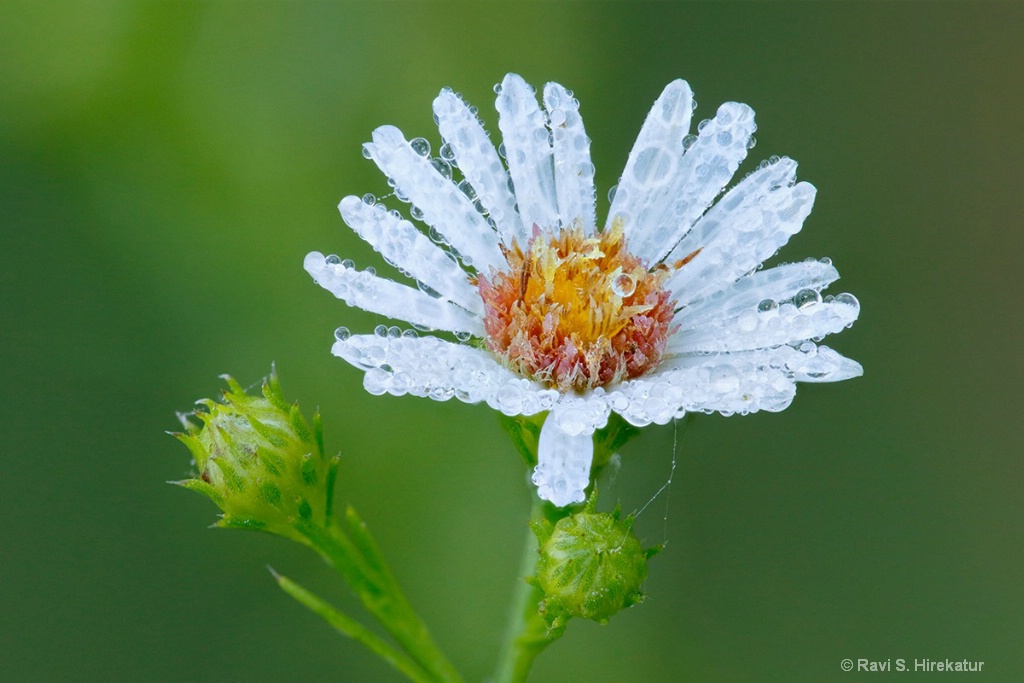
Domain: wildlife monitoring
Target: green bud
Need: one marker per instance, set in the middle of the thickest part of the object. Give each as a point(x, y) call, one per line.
point(591, 566)
point(260, 461)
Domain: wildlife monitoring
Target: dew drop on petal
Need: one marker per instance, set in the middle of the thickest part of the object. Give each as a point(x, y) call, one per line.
point(463, 336)
point(442, 167)
point(747, 321)
point(767, 306)
point(806, 297)
point(381, 330)
point(420, 146)
point(342, 333)
point(847, 299)
point(369, 199)
point(333, 260)
point(724, 379)
point(624, 285)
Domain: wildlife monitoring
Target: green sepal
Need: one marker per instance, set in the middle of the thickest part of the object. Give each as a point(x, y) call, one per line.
point(609, 439)
point(524, 430)
point(200, 486)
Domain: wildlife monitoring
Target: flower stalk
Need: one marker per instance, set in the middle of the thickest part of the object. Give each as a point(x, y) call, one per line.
point(264, 466)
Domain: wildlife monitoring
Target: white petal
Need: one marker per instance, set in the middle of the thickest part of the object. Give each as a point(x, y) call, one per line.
point(803, 317)
point(706, 167)
point(480, 164)
point(824, 365)
point(645, 188)
point(745, 228)
point(528, 152)
point(379, 295)
point(574, 172)
point(428, 366)
point(728, 384)
point(409, 250)
point(807, 363)
point(444, 206)
point(777, 284)
point(563, 465)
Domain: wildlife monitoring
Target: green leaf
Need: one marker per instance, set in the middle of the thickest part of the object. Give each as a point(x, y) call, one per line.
point(348, 626)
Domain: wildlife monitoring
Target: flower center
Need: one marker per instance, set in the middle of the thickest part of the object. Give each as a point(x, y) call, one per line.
point(576, 311)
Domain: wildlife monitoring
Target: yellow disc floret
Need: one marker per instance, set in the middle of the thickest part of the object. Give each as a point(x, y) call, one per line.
point(576, 311)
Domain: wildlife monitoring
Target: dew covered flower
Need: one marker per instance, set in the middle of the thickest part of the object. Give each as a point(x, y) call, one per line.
point(662, 311)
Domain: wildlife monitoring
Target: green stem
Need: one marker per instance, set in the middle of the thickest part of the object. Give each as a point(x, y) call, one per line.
point(527, 633)
point(355, 556)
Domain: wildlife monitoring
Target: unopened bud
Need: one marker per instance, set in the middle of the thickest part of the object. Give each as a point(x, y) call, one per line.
point(260, 461)
point(591, 566)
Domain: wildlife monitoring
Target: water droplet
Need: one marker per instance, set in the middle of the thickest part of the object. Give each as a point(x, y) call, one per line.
point(333, 260)
point(467, 190)
point(381, 330)
point(767, 305)
point(751, 142)
point(611, 192)
point(442, 167)
point(342, 333)
point(688, 141)
point(806, 297)
point(428, 290)
point(367, 151)
point(416, 213)
point(703, 124)
point(847, 299)
point(463, 336)
point(420, 146)
point(371, 271)
point(501, 150)
point(724, 379)
point(624, 285)
point(497, 88)
point(747, 321)
point(394, 332)
point(369, 199)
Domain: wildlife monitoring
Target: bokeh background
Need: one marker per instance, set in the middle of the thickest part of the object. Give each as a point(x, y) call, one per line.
point(164, 167)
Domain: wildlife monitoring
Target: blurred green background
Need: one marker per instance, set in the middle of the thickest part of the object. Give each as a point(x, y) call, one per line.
point(165, 167)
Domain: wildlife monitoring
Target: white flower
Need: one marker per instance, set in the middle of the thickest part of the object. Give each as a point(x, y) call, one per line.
point(662, 312)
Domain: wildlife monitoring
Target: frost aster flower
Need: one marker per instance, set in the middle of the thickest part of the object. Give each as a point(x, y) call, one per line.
point(661, 312)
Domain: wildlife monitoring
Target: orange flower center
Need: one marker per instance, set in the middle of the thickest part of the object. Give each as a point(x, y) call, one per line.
point(577, 311)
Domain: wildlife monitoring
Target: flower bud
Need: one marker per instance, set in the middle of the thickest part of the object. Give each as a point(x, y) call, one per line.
point(259, 460)
point(591, 566)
